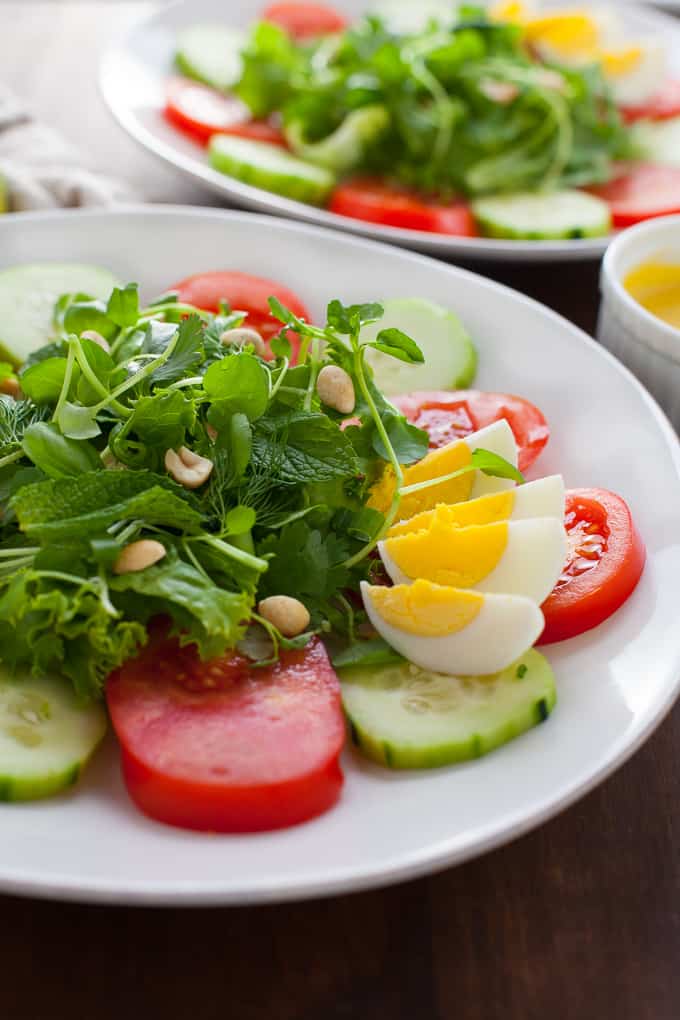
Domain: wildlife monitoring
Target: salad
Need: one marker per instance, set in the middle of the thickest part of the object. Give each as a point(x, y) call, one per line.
point(504, 122)
point(228, 529)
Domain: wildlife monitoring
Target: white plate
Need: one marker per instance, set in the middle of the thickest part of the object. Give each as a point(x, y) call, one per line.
point(133, 75)
point(615, 684)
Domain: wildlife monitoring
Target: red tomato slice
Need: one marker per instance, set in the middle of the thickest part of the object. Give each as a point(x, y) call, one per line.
point(646, 191)
point(447, 416)
point(224, 747)
point(665, 104)
point(304, 21)
point(605, 559)
point(376, 201)
point(247, 294)
point(202, 112)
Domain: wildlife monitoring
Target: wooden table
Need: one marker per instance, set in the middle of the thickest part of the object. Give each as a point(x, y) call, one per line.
point(579, 920)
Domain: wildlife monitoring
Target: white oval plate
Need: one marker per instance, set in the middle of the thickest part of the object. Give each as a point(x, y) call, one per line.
point(132, 79)
point(615, 683)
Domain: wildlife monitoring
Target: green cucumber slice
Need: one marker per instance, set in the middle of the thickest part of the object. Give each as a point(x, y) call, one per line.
point(450, 357)
point(408, 718)
point(659, 141)
point(210, 53)
point(270, 167)
point(555, 215)
point(27, 297)
point(343, 149)
point(46, 735)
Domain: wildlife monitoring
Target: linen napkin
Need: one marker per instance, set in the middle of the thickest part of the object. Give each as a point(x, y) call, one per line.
point(40, 169)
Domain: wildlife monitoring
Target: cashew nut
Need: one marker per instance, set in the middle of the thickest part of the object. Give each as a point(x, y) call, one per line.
point(10, 387)
point(288, 615)
point(335, 389)
point(96, 338)
point(187, 467)
point(502, 92)
point(138, 556)
point(244, 335)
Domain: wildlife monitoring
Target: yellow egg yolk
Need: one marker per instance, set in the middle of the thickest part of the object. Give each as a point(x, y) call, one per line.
point(460, 557)
point(436, 463)
point(573, 33)
point(427, 609)
point(497, 506)
point(509, 10)
point(618, 63)
point(656, 286)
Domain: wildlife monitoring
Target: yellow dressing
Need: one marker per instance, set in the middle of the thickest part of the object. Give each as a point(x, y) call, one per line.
point(443, 461)
point(459, 557)
point(497, 506)
point(656, 286)
point(427, 609)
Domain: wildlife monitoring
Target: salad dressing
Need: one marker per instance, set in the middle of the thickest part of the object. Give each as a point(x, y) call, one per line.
point(656, 286)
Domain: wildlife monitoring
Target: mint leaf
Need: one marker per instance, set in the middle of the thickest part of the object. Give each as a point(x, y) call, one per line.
point(123, 305)
point(493, 464)
point(57, 455)
point(302, 446)
point(398, 345)
point(73, 508)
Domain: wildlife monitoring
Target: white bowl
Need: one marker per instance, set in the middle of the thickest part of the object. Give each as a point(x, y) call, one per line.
point(646, 344)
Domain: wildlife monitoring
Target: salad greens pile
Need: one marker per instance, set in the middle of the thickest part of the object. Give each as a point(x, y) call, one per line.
point(284, 510)
point(423, 107)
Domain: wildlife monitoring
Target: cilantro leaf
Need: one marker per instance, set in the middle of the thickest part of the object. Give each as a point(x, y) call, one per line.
point(306, 564)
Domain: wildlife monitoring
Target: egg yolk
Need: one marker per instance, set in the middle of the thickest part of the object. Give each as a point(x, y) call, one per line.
point(656, 286)
point(617, 63)
point(460, 557)
point(426, 609)
point(436, 463)
point(497, 506)
point(570, 34)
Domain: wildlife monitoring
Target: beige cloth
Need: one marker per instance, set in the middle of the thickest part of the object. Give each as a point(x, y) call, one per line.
point(42, 170)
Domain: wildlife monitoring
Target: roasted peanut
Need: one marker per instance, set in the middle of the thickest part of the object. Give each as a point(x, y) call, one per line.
point(187, 467)
point(335, 389)
point(138, 556)
point(242, 336)
point(96, 338)
point(287, 614)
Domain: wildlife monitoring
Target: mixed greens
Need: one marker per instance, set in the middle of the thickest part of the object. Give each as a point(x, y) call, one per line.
point(283, 508)
point(458, 106)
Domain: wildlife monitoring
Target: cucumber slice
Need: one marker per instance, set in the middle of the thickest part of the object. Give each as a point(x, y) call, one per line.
point(409, 718)
point(450, 357)
point(210, 53)
point(46, 735)
point(659, 141)
point(555, 215)
point(343, 149)
point(270, 167)
point(27, 297)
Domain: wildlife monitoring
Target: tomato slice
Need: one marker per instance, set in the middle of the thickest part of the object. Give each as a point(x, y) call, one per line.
point(247, 294)
point(202, 112)
point(645, 192)
point(605, 559)
point(447, 416)
point(662, 106)
point(305, 20)
point(223, 747)
point(377, 201)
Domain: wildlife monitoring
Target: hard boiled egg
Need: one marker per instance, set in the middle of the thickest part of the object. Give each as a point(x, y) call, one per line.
point(498, 438)
point(518, 558)
point(448, 630)
point(542, 498)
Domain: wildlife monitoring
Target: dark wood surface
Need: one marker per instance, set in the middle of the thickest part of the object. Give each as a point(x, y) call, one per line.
point(580, 919)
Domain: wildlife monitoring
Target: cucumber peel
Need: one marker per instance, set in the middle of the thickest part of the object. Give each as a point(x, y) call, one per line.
point(408, 718)
point(46, 735)
point(450, 356)
point(270, 167)
point(210, 54)
point(543, 216)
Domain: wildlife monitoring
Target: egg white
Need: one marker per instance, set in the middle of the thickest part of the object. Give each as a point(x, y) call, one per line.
point(505, 627)
point(498, 438)
point(530, 565)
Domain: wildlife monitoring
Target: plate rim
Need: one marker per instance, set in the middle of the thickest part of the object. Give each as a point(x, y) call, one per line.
point(411, 865)
point(257, 199)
